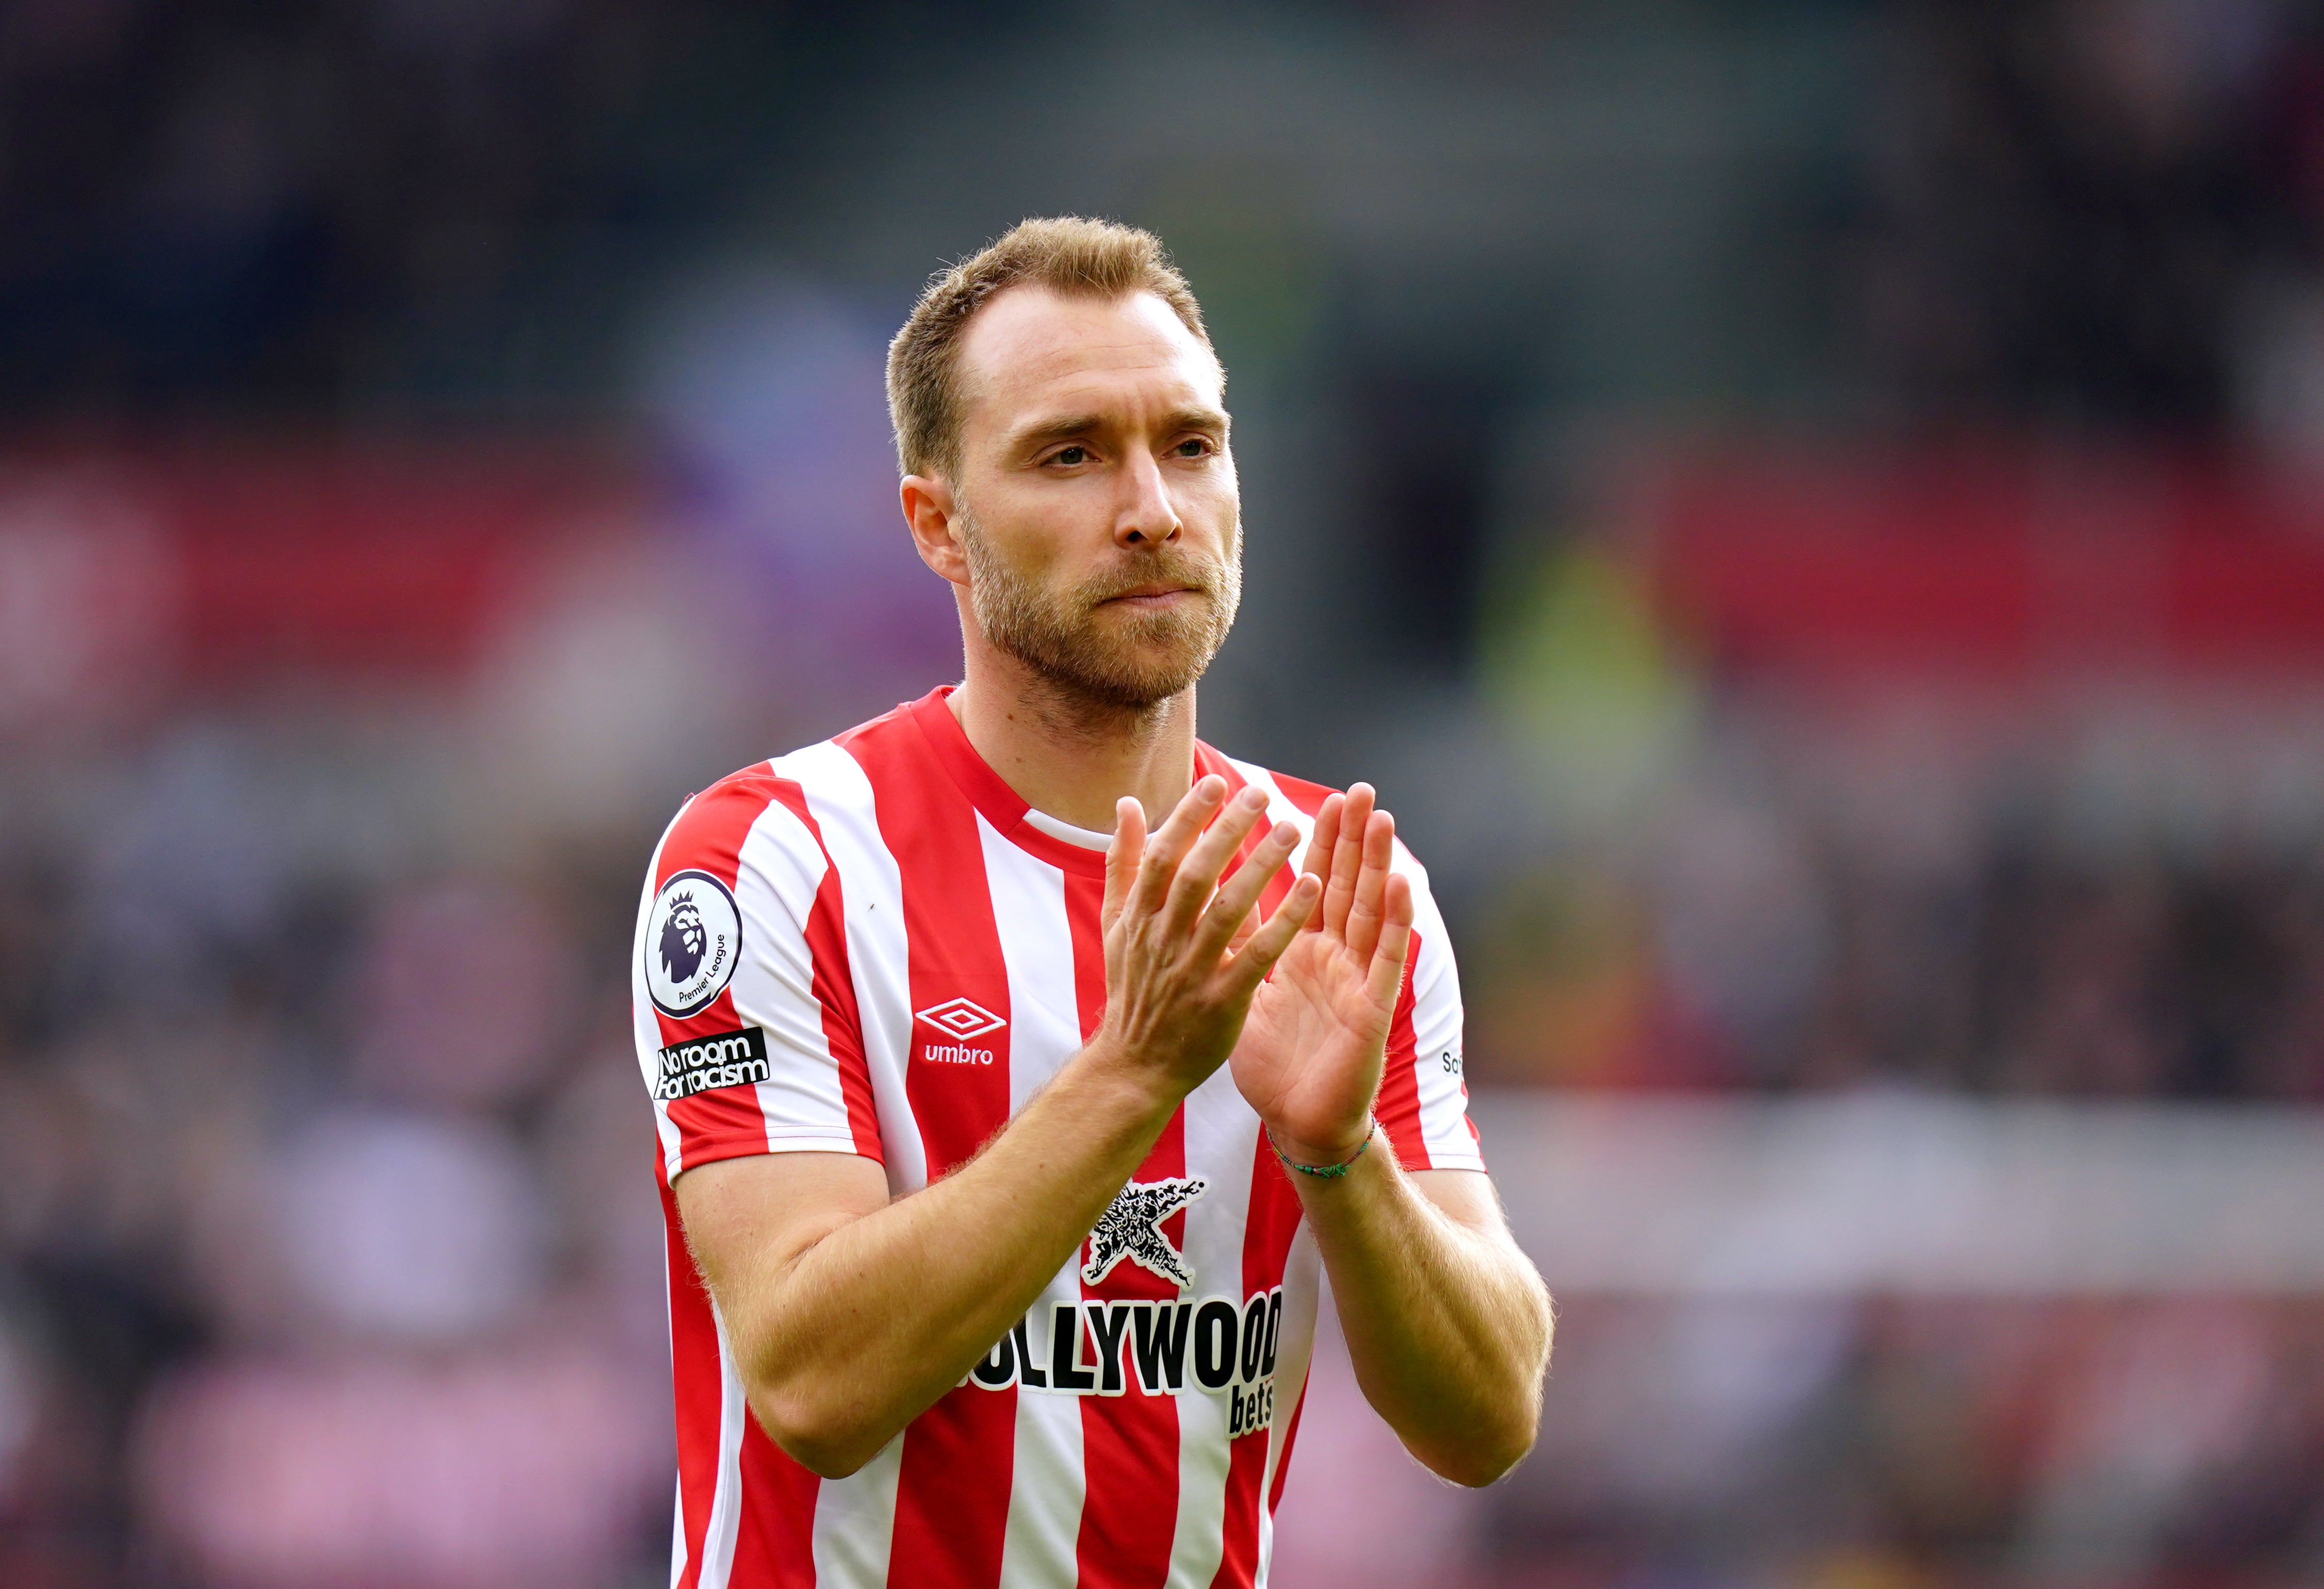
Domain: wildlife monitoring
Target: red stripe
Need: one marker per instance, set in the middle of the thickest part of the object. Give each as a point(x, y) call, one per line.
point(1129, 1442)
point(695, 1387)
point(1400, 1095)
point(774, 1539)
point(952, 1491)
point(834, 982)
point(1275, 1217)
point(708, 836)
point(1308, 797)
point(1274, 1220)
point(1208, 762)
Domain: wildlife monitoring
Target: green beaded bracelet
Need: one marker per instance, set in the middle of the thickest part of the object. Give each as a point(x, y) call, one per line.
point(1325, 1171)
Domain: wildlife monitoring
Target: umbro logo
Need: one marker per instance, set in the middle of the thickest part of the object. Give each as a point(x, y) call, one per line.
point(961, 1018)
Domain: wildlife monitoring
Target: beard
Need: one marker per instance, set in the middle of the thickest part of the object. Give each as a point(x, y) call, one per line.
point(1131, 661)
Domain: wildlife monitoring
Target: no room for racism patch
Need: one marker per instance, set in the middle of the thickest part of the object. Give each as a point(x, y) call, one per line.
point(728, 1059)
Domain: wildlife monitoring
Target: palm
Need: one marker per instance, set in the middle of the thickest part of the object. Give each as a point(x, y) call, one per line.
point(1310, 1056)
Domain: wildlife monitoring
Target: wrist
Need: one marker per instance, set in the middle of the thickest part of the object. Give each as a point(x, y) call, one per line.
point(1328, 1157)
point(1143, 1089)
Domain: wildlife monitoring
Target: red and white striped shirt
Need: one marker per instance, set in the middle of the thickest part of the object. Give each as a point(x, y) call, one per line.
point(873, 946)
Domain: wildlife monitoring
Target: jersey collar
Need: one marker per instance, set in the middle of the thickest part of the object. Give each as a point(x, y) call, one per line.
point(1000, 805)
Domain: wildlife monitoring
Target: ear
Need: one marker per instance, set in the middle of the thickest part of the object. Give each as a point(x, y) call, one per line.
point(929, 511)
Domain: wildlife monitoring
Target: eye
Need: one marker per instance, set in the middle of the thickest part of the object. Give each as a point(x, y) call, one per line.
point(1070, 456)
point(1194, 447)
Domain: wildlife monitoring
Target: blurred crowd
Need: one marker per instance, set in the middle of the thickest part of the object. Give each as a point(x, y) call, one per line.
point(2090, 901)
point(1887, 1441)
point(302, 211)
point(327, 1246)
point(331, 1252)
point(1868, 1443)
point(2090, 213)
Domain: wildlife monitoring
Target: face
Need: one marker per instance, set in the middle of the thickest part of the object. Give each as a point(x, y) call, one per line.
point(1095, 519)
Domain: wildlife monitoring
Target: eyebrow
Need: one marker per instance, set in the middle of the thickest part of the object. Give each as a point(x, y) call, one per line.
point(1041, 433)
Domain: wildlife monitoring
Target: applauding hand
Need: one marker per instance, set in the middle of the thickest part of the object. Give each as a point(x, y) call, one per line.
point(1181, 957)
point(1317, 1037)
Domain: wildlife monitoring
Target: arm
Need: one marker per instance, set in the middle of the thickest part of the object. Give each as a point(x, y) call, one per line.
point(850, 1315)
point(1447, 1323)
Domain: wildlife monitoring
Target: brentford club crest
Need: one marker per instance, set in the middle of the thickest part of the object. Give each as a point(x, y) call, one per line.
point(694, 936)
point(1131, 1228)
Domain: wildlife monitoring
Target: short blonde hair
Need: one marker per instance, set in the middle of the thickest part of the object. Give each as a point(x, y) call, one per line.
point(1065, 254)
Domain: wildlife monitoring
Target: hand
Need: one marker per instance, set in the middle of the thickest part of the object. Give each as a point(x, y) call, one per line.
point(1316, 1038)
point(1179, 971)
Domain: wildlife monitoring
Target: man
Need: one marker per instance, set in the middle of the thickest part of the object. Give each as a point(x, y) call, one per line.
point(1006, 1163)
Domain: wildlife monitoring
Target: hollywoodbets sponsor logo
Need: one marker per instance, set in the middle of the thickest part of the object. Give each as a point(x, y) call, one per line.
point(730, 1059)
point(1095, 1348)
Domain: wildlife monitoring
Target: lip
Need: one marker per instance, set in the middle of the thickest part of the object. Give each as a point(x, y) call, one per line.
point(1150, 596)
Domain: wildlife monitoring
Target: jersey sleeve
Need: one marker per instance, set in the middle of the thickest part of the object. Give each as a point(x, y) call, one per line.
point(742, 1004)
point(1424, 1097)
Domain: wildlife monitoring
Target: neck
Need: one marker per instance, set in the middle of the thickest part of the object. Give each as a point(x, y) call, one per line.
point(1069, 757)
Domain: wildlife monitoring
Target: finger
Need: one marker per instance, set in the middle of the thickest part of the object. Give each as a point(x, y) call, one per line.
point(1347, 859)
point(1240, 893)
point(1198, 874)
point(1249, 967)
point(1365, 913)
point(1320, 841)
point(1171, 841)
point(1121, 859)
point(1384, 979)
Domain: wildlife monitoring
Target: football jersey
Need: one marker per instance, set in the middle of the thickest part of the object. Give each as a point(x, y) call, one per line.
point(873, 946)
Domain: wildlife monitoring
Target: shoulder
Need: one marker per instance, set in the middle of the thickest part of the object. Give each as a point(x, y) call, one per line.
point(1307, 797)
point(1301, 795)
point(774, 800)
point(712, 827)
point(1303, 799)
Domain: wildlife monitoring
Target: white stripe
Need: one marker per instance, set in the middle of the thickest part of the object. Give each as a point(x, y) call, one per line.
point(839, 794)
point(855, 1517)
point(1049, 1481)
point(1302, 1286)
point(1037, 945)
point(780, 869)
point(1280, 807)
point(855, 1522)
point(727, 1499)
point(1222, 1135)
point(644, 1028)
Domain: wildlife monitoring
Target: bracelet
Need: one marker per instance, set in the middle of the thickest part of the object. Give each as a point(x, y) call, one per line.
point(1325, 1171)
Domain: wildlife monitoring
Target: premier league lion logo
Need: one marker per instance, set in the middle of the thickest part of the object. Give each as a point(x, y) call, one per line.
point(683, 939)
point(691, 944)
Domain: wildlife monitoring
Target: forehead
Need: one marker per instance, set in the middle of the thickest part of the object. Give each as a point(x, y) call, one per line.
point(1030, 348)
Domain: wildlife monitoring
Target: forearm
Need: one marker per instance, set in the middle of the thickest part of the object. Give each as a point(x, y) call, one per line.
point(852, 1338)
point(1447, 1324)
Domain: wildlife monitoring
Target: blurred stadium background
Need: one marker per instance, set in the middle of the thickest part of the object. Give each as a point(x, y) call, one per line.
point(1812, 511)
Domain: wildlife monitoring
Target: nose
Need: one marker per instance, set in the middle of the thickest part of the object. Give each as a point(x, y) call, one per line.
point(1146, 517)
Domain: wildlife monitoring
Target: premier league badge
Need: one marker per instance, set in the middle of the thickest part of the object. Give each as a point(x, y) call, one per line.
point(693, 938)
